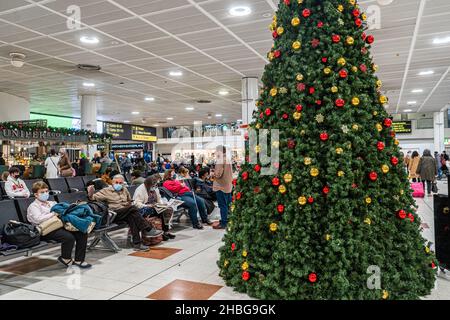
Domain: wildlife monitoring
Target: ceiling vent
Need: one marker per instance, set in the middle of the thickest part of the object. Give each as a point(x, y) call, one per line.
point(89, 67)
point(204, 101)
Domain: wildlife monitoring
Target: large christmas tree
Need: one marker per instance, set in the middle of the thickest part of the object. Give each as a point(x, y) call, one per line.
point(340, 206)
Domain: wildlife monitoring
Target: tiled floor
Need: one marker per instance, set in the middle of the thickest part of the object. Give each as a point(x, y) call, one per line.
point(183, 268)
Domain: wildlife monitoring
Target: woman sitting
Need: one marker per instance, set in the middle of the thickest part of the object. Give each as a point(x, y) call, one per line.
point(193, 203)
point(40, 211)
point(146, 197)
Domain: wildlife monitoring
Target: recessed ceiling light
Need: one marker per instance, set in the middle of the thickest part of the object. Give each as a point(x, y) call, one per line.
point(426, 73)
point(170, 118)
point(267, 15)
point(411, 102)
point(89, 40)
point(223, 92)
point(417, 91)
point(135, 112)
point(240, 11)
point(407, 110)
point(189, 108)
point(127, 121)
point(149, 99)
point(89, 84)
point(218, 115)
point(176, 73)
point(441, 40)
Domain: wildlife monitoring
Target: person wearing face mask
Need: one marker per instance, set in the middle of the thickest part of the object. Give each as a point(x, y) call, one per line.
point(40, 211)
point(146, 197)
point(14, 186)
point(119, 200)
point(193, 203)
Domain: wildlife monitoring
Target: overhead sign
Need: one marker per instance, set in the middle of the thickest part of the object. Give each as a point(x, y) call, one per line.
point(147, 134)
point(119, 131)
point(402, 126)
point(18, 134)
point(127, 146)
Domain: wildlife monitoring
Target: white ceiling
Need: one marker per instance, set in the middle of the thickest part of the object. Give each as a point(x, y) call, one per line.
point(141, 41)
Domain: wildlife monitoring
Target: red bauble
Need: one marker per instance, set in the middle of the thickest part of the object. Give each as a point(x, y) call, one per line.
point(373, 176)
point(268, 112)
point(315, 43)
point(256, 189)
point(326, 190)
point(364, 50)
point(312, 90)
point(364, 36)
point(401, 214)
point(324, 136)
point(343, 73)
point(299, 108)
point(274, 34)
point(301, 87)
point(233, 246)
point(257, 168)
point(245, 175)
point(291, 144)
point(287, 2)
point(363, 68)
point(394, 161)
point(280, 208)
point(285, 116)
point(358, 22)
point(276, 182)
point(432, 265)
point(380, 146)
point(392, 134)
point(312, 277)
point(306, 13)
point(245, 275)
point(310, 200)
point(277, 53)
point(370, 39)
point(340, 103)
point(234, 182)
point(336, 38)
point(320, 24)
point(261, 115)
point(356, 13)
point(387, 122)
point(411, 217)
point(324, 60)
point(238, 196)
point(354, 185)
point(319, 102)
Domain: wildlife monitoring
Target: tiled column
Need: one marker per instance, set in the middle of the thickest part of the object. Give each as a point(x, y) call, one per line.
point(249, 96)
point(439, 131)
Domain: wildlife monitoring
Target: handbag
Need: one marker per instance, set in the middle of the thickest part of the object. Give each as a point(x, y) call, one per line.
point(20, 234)
point(50, 225)
point(434, 187)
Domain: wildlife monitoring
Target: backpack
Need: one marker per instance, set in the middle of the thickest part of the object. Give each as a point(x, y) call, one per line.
point(20, 234)
point(157, 224)
point(100, 209)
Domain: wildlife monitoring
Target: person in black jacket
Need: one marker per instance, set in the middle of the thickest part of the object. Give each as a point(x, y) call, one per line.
point(203, 188)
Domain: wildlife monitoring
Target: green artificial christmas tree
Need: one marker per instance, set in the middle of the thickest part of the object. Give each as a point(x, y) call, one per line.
point(340, 205)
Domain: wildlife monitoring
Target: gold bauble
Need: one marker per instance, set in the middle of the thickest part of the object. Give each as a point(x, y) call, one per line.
point(341, 61)
point(339, 150)
point(273, 227)
point(354, 69)
point(314, 172)
point(334, 89)
point(244, 266)
point(297, 115)
point(352, 2)
point(402, 192)
point(340, 8)
point(226, 263)
point(299, 77)
point(296, 45)
point(258, 126)
point(327, 237)
point(385, 168)
point(355, 101)
point(307, 161)
point(271, 28)
point(375, 113)
point(379, 127)
point(367, 221)
point(375, 67)
point(427, 249)
point(383, 99)
point(295, 21)
point(385, 294)
point(379, 84)
point(396, 142)
point(273, 92)
point(350, 41)
point(280, 30)
point(368, 200)
point(302, 200)
point(355, 127)
point(327, 70)
point(282, 189)
point(341, 173)
point(287, 177)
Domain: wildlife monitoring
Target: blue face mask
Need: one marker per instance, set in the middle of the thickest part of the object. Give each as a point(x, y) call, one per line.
point(44, 196)
point(117, 187)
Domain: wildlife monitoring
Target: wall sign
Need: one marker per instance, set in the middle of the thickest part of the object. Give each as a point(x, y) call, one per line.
point(127, 146)
point(119, 131)
point(147, 134)
point(402, 126)
point(17, 134)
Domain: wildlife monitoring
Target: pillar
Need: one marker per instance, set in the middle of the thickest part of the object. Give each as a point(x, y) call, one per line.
point(13, 108)
point(249, 96)
point(89, 118)
point(439, 136)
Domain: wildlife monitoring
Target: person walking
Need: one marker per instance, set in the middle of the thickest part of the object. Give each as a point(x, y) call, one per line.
point(412, 168)
point(427, 170)
point(51, 164)
point(438, 164)
point(223, 185)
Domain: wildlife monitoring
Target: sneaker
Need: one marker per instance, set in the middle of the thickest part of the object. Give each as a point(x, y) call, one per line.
point(198, 226)
point(140, 247)
point(152, 233)
point(170, 235)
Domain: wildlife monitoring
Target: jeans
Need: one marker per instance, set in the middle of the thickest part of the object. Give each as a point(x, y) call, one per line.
point(68, 240)
point(134, 220)
point(439, 173)
point(223, 200)
point(428, 185)
point(190, 204)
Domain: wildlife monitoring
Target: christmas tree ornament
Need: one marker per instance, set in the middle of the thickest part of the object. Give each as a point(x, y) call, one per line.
point(427, 250)
point(280, 30)
point(345, 129)
point(314, 172)
point(297, 115)
point(320, 24)
point(327, 71)
point(375, 67)
point(277, 53)
point(368, 200)
point(256, 189)
point(343, 73)
point(238, 196)
point(299, 108)
point(354, 69)
point(401, 214)
point(385, 168)
point(287, 178)
point(363, 68)
point(373, 176)
point(315, 43)
point(301, 87)
point(375, 113)
point(358, 22)
point(370, 39)
point(387, 122)
point(291, 144)
point(326, 190)
point(379, 84)
point(355, 101)
point(312, 90)
point(380, 146)
point(307, 161)
point(282, 189)
point(226, 263)
point(342, 62)
point(245, 266)
point(379, 127)
point(324, 136)
point(245, 275)
point(302, 200)
point(350, 40)
point(324, 59)
point(327, 237)
point(280, 208)
point(340, 8)
point(285, 116)
point(385, 295)
point(233, 246)
point(310, 200)
point(283, 90)
point(276, 182)
point(287, 2)
point(355, 127)
point(276, 144)
point(258, 126)
point(268, 112)
point(258, 149)
point(352, 2)
point(340, 103)
point(312, 277)
point(257, 168)
point(273, 92)
point(275, 34)
point(299, 77)
point(368, 221)
point(296, 45)
point(334, 89)
point(356, 13)
point(306, 13)
point(320, 118)
point(339, 150)
point(394, 160)
point(364, 17)
point(295, 21)
point(273, 227)
point(411, 217)
point(336, 38)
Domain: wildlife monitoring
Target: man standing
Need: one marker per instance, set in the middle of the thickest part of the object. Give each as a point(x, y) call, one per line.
point(119, 200)
point(223, 185)
point(438, 165)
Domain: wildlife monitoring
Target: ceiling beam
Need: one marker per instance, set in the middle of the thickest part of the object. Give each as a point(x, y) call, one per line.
point(272, 5)
point(444, 76)
point(411, 51)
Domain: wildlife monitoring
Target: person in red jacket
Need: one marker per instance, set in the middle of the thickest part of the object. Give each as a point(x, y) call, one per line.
point(193, 203)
